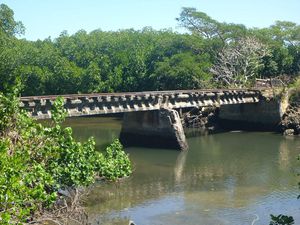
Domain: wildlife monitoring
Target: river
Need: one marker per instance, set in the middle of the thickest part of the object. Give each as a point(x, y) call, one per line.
point(232, 178)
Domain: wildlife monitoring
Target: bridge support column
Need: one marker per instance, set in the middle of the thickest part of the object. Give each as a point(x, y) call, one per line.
point(159, 128)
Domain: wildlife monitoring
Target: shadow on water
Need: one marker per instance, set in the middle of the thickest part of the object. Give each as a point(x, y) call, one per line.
point(226, 178)
point(103, 129)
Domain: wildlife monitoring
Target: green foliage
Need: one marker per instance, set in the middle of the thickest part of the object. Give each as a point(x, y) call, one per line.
point(58, 112)
point(282, 220)
point(140, 60)
point(180, 71)
point(283, 40)
point(115, 162)
point(37, 161)
point(201, 24)
point(9, 61)
point(294, 93)
point(7, 23)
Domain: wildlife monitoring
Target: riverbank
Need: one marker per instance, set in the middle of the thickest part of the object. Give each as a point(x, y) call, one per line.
point(290, 124)
point(278, 113)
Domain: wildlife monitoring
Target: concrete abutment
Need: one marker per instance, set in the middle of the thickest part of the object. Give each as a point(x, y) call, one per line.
point(264, 115)
point(160, 128)
point(163, 128)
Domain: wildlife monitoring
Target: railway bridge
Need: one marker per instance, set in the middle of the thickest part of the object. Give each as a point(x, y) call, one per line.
point(151, 115)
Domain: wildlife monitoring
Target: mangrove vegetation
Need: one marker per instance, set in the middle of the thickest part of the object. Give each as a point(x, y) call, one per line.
point(40, 165)
point(210, 54)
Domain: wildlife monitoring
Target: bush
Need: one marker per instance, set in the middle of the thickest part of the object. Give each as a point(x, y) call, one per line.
point(294, 97)
point(282, 220)
point(37, 161)
point(115, 163)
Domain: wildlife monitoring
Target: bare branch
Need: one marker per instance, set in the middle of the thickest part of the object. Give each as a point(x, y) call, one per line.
point(238, 63)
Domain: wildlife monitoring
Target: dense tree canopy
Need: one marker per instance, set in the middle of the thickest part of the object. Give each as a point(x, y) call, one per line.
point(138, 60)
point(201, 24)
point(7, 23)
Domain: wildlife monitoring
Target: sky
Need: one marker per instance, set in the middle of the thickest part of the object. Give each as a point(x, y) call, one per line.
point(48, 18)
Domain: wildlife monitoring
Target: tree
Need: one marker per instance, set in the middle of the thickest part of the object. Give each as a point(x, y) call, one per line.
point(238, 64)
point(91, 79)
point(182, 71)
point(9, 61)
point(202, 24)
point(9, 48)
point(288, 34)
point(283, 39)
point(8, 25)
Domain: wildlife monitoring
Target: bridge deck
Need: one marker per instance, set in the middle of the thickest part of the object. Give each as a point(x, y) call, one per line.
point(141, 93)
point(106, 103)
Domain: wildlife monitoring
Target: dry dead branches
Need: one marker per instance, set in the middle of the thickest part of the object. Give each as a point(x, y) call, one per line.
point(239, 62)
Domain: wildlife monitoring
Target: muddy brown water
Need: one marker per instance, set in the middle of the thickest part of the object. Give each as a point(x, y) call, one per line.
point(232, 178)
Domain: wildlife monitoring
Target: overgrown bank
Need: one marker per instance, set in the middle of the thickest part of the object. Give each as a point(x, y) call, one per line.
point(278, 111)
point(37, 163)
point(290, 124)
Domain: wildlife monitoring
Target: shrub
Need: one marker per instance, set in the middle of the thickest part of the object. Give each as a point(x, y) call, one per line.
point(36, 161)
point(115, 162)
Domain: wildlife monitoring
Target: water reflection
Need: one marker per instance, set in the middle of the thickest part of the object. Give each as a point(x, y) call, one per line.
point(103, 129)
point(228, 178)
point(283, 158)
point(179, 167)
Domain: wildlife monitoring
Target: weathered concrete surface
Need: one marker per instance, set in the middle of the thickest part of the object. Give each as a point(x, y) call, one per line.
point(263, 115)
point(160, 128)
point(108, 103)
point(150, 117)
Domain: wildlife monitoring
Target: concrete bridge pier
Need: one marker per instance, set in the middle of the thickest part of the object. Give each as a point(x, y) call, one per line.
point(159, 128)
